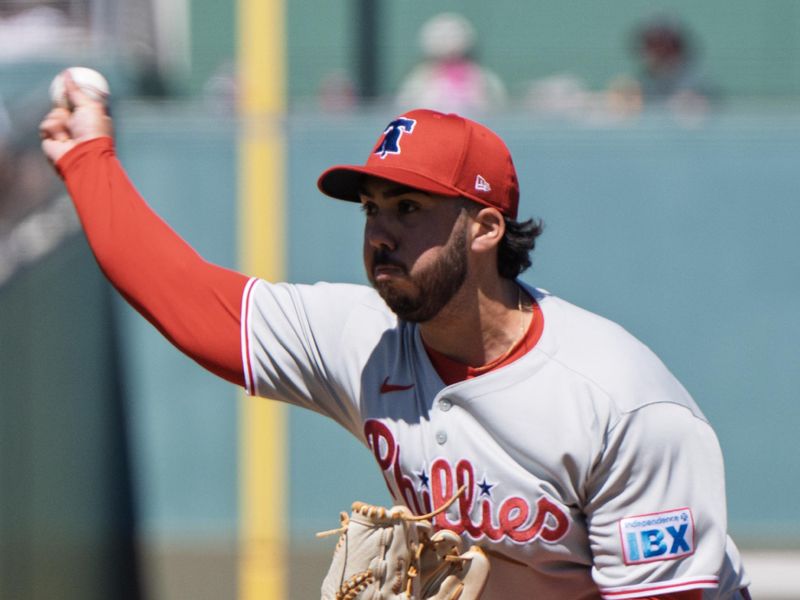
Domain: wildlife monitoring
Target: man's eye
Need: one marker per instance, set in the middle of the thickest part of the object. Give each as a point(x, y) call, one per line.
point(406, 206)
point(368, 208)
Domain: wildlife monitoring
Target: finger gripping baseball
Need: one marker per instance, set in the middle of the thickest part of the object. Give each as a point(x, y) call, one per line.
point(391, 554)
point(78, 82)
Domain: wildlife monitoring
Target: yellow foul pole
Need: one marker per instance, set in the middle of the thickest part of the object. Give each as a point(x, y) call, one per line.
point(262, 474)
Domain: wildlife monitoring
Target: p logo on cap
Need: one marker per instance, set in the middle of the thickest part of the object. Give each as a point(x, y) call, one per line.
point(443, 154)
point(392, 134)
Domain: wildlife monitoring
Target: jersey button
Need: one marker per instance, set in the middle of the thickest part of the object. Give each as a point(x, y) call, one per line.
point(441, 437)
point(445, 404)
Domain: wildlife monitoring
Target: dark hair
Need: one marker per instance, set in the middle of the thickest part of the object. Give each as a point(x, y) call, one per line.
point(664, 35)
point(519, 240)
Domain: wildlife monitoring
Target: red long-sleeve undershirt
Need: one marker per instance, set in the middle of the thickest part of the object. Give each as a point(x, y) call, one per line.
point(195, 304)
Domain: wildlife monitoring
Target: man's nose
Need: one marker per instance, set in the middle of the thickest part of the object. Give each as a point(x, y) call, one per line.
point(378, 235)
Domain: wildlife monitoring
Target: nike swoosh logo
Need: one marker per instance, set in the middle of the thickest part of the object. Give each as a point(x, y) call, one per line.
point(387, 387)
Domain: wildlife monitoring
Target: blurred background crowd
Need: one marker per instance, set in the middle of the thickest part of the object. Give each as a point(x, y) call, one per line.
point(450, 60)
point(471, 61)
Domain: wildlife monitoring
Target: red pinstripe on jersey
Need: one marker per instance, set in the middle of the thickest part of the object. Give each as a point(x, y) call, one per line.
point(691, 588)
point(247, 367)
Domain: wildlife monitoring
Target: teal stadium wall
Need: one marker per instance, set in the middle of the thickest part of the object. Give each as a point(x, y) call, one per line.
point(66, 510)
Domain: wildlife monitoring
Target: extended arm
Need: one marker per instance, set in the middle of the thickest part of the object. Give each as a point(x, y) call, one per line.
point(195, 304)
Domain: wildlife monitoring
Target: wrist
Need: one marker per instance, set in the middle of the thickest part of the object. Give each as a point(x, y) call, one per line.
point(103, 143)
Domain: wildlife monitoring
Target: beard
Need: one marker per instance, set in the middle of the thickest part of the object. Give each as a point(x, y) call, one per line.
point(433, 287)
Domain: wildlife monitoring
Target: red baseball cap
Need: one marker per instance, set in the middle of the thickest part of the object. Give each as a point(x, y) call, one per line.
point(443, 154)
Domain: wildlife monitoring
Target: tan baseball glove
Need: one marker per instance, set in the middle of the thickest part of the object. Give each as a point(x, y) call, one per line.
point(390, 554)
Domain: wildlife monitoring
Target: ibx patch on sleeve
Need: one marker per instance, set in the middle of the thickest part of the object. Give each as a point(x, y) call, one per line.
point(657, 536)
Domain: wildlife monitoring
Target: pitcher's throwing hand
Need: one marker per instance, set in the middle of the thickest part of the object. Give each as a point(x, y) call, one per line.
point(62, 129)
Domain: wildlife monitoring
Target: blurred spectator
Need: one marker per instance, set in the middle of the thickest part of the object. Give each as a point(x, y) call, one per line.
point(566, 96)
point(221, 93)
point(5, 123)
point(669, 73)
point(450, 79)
point(25, 183)
point(337, 92)
point(558, 95)
point(30, 30)
point(623, 98)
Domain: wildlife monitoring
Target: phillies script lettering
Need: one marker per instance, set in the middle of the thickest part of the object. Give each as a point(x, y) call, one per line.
point(514, 518)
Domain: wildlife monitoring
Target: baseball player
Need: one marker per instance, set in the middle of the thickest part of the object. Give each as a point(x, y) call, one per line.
point(587, 469)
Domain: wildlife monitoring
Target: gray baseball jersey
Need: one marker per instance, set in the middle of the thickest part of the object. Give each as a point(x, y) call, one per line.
point(587, 465)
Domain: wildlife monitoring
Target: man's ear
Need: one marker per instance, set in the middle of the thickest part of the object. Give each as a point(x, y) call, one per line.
point(488, 228)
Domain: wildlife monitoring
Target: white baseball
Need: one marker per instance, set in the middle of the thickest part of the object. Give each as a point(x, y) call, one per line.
point(91, 83)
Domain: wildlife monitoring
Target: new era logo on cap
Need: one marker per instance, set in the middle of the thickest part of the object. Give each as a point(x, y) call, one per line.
point(442, 154)
point(482, 185)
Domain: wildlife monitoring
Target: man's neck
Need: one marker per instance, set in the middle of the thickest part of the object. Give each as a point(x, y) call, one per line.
point(479, 324)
